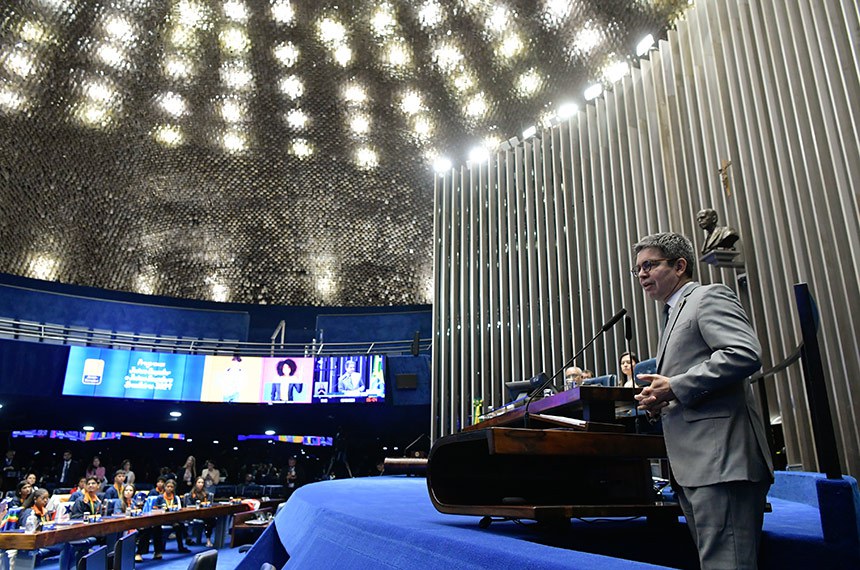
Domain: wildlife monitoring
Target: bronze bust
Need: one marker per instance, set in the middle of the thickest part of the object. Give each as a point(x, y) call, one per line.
point(716, 237)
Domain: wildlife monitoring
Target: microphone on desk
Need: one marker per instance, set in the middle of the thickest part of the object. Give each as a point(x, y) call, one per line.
point(608, 325)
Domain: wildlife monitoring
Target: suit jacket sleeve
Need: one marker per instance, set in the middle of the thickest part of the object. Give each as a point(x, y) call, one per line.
point(734, 348)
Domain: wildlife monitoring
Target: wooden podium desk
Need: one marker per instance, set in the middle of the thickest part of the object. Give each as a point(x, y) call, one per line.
point(546, 475)
point(590, 403)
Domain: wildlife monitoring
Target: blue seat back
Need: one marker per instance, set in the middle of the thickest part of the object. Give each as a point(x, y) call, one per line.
point(606, 380)
point(645, 367)
point(95, 560)
point(123, 556)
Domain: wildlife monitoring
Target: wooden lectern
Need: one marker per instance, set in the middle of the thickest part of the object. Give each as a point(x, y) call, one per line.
point(493, 470)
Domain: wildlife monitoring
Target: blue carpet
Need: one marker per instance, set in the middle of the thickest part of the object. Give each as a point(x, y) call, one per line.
point(389, 522)
point(228, 559)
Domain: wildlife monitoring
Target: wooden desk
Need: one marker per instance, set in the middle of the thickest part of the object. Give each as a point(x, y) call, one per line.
point(590, 403)
point(545, 474)
point(65, 533)
point(241, 526)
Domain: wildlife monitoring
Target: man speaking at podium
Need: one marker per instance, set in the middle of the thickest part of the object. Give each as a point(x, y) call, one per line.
point(714, 433)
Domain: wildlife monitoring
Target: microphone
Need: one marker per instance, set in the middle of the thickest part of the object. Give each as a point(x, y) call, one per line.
point(609, 324)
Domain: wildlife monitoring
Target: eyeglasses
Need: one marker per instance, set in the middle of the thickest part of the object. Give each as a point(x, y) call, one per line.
point(647, 265)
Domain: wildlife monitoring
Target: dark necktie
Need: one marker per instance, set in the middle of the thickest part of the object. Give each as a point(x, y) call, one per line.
point(666, 309)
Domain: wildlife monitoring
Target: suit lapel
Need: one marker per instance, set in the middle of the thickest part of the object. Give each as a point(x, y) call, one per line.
point(673, 318)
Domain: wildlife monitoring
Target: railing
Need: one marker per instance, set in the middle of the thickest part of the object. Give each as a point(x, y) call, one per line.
point(82, 336)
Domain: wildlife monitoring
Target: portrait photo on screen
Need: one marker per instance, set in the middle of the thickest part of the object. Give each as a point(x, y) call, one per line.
point(349, 378)
point(232, 379)
point(288, 379)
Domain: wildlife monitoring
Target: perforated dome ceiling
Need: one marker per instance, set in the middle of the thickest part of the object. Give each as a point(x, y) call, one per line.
point(270, 151)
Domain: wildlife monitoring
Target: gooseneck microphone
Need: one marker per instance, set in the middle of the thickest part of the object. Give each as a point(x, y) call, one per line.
point(609, 324)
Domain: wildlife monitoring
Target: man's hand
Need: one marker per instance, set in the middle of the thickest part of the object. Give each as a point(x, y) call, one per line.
point(656, 395)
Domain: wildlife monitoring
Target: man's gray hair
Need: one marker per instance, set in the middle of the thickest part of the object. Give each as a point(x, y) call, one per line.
point(672, 246)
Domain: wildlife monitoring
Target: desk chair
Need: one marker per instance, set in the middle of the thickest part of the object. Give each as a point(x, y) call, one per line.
point(606, 380)
point(123, 554)
point(206, 560)
point(95, 560)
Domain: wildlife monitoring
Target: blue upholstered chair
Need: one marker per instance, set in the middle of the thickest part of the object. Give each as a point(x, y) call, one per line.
point(606, 380)
point(645, 367)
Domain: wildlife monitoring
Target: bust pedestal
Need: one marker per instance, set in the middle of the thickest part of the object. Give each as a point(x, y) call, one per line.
point(722, 257)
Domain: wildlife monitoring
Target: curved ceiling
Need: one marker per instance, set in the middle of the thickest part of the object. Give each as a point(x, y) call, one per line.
point(272, 151)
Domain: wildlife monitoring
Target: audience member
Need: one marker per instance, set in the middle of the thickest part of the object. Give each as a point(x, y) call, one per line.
point(572, 377)
point(159, 486)
point(115, 490)
point(129, 474)
point(37, 504)
point(188, 472)
point(22, 491)
point(11, 472)
point(88, 503)
point(172, 501)
point(97, 470)
point(587, 374)
point(626, 362)
point(211, 476)
point(32, 480)
point(78, 491)
point(198, 495)
point(69, 470)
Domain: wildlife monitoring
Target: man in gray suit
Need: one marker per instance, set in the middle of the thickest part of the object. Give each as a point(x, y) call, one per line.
point(714, 433)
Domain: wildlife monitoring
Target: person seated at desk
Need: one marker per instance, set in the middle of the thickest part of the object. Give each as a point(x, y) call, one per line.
point(37, 504)
point(572, 377)
point(22, 491)
point(115, 490)
point(198, 495)
point(124, 503)
point(350, 380)
point(159, 487)
point(171, 501)
point(32, 480)
point(78, 492)
point(89, 503)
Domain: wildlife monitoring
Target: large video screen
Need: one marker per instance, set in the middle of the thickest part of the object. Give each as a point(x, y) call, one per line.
point(112, 373)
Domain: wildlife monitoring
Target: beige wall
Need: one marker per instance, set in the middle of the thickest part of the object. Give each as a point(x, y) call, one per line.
point(532, 249)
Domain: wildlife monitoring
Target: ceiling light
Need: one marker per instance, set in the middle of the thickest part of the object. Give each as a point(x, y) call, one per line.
point(354, 93)
point(331, 31)
point(297, 119)
point(301, 148)
point(169, 449)
point(118, 28)
point(21, 64)
point(236, 11)
point(411, 103)
point(423, 128)
point(441, 165)
point(189, 440)
point(616, 71)
point(176, 67)
point(215, 441)
point(477, 106)
point(359, 124)
point(172, 103)
point(43, 267)
point(234, 40)
point(110, 55)
point(586, 40)
point(191, 14)
point(292, 87)
point(235, 448)
point(283, 12)
point(556, 11)
point(383, 21)
point(269, 432)
point(366, 158)
point(236, 76)
point(447, 57)
point(232, 111)
point(175, 414)
point(88, 428)
point(343, 55)
point(479, 154)
point(168, 135)
point(430, 14)
point(528, 83)
point(232, 142)
point(644, 46)
point(529, 132)
point(34, 32)
point(287, 54)
point(498, 20)
point(566, 110)
point(511, 46)
point(592, 91)
point(398, 55)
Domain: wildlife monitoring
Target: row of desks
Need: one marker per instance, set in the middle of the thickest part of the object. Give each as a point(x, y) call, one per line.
point(110, 527)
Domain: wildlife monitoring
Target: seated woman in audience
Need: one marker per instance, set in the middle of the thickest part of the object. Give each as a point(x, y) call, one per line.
point(37, 504)
point(199, 495)
point(211, 476)
point(89, 503)
point(125, 502)
point(627, 361)
point(22, 491)
point(97, 470)
point(115, 490)
point(32, 480)
point(129, 474)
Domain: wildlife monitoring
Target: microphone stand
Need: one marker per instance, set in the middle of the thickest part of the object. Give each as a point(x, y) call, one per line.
point(609, 324)
point(628, 335)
